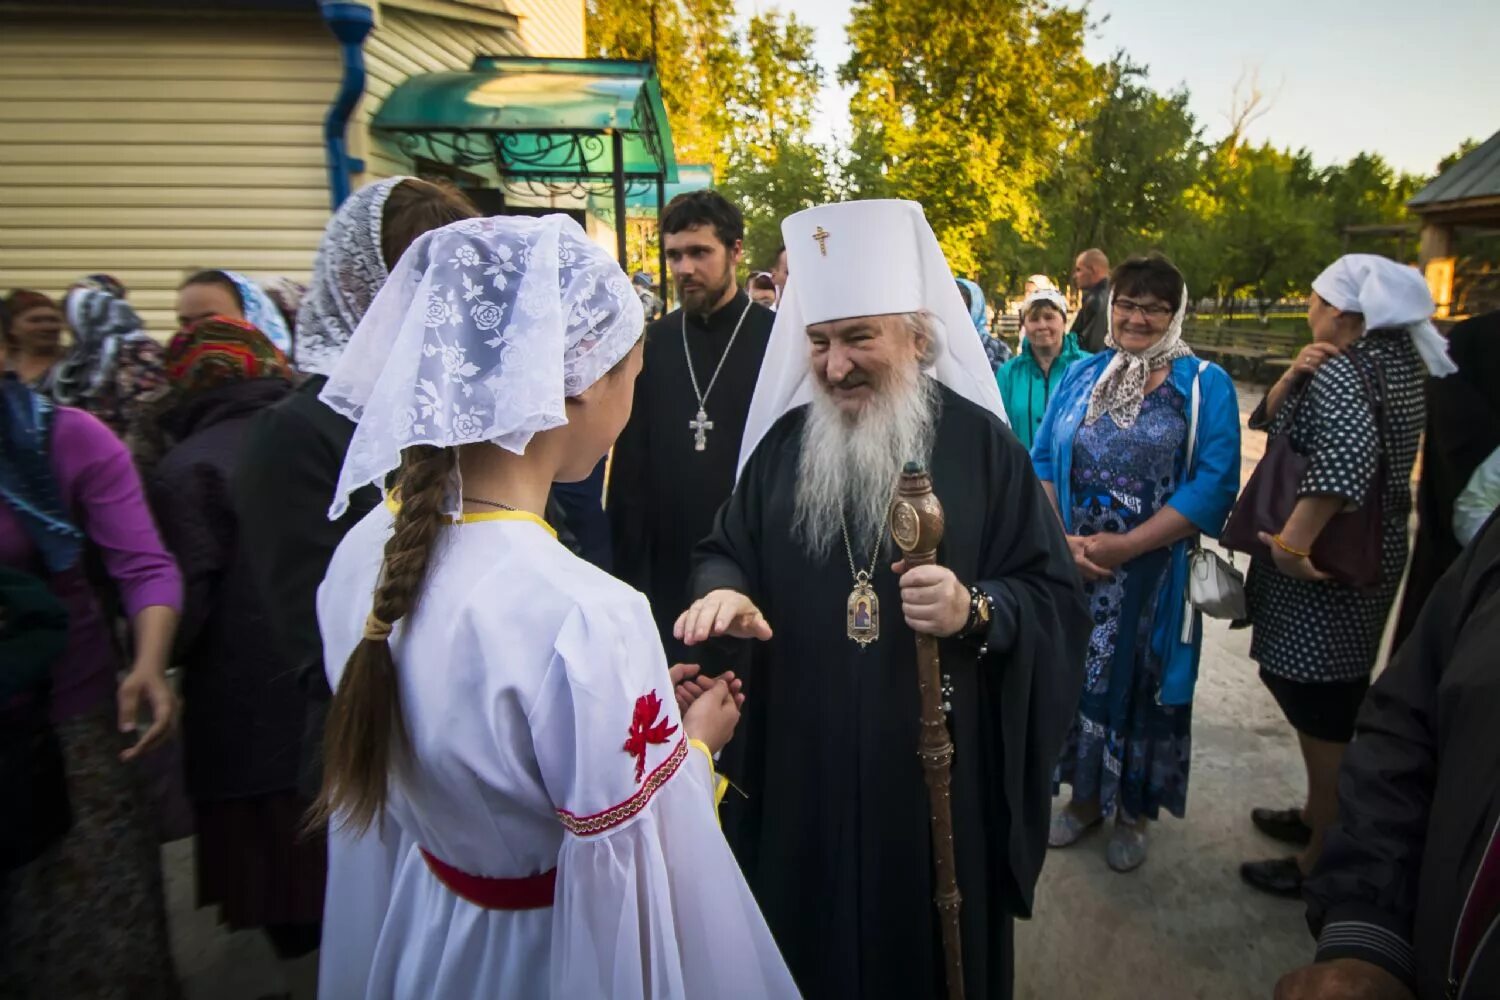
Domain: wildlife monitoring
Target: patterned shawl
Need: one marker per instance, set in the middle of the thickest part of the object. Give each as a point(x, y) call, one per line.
point(1121, 389)
point(348, 272)
point(218, 350)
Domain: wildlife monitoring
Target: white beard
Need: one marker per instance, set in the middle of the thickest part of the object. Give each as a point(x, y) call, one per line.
point(852, 465)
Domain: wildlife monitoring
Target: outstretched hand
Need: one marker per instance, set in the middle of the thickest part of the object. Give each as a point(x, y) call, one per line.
point(721, 612)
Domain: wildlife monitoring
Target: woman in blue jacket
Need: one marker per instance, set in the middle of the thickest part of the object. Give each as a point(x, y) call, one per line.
point(1112, 455)
point(1029, 380)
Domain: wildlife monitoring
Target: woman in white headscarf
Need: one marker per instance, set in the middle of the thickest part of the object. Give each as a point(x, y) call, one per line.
point(290, 462)
point(1140, 452)
point(1353, 405)
point(505, 705)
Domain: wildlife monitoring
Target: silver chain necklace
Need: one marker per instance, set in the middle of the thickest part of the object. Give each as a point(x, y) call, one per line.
point(700, 424)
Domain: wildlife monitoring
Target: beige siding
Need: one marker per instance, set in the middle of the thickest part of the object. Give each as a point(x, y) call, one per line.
point(405, 43)
point(550, 27)
point(150, 148)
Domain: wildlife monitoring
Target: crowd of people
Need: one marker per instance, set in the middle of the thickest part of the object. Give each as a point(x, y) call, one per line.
point(535, 641)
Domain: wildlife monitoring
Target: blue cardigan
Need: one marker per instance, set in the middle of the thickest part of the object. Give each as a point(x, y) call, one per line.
point(1204, 493)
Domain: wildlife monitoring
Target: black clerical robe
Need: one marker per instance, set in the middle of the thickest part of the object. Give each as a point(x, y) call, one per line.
point(663, 493)
point(833, 834)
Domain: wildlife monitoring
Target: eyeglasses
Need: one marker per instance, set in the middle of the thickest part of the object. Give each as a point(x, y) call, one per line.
point(1125, 307)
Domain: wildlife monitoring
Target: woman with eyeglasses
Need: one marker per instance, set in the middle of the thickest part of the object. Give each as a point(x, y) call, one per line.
point(1113, 455)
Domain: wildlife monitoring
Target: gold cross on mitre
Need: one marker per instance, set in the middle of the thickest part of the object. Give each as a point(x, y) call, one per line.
point(821, 235)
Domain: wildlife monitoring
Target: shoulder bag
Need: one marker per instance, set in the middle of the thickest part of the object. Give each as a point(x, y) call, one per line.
point(1215, 587)
point(1349, 546)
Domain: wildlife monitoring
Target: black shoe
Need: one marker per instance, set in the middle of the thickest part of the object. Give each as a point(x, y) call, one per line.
point(1279, 876)
point(1284, 824)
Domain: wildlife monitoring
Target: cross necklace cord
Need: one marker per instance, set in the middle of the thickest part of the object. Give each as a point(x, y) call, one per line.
point(700, 424)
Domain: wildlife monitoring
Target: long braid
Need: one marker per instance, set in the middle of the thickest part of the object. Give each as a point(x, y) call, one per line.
point(366, 731)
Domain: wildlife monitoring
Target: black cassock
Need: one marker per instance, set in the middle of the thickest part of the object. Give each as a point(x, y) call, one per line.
point(833, 835)
point(663, 493)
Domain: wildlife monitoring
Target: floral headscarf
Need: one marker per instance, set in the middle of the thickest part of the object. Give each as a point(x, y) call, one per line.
point(1121, 389)
point(348, 272)
point(113, 370)
point(483, 332)
point(217, 350)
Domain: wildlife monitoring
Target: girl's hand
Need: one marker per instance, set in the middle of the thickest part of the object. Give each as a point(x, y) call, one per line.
point(713, 716)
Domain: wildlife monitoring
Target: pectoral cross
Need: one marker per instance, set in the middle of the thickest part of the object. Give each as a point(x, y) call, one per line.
point(821, 235)
point(701, 425)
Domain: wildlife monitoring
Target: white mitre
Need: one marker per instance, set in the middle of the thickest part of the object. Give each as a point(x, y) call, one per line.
point(863, 258)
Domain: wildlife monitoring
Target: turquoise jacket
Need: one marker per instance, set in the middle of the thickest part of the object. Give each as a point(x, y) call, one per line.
point(1204, 493)
point(1026, 391)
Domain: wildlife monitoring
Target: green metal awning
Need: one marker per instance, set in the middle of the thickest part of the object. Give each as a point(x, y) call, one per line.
point(556, 122)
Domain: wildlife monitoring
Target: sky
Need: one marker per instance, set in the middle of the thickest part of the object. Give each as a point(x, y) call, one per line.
point(1409, 80)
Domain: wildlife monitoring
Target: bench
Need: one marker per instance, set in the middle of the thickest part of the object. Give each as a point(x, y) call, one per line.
point(1255, 354)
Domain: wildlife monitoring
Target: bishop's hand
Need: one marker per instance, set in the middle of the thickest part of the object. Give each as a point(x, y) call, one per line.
point(721, 612)
point(932, 600)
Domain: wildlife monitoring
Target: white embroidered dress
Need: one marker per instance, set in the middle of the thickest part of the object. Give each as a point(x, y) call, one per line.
point(525, 672)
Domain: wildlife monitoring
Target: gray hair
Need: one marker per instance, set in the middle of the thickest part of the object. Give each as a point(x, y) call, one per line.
point(923, 325)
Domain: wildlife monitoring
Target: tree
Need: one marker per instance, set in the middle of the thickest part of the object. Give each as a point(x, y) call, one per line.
point(773, 184)
point(965, 121)
point(773, 169)
point(697, 57)
point(1464, 149)
point(1119, 181)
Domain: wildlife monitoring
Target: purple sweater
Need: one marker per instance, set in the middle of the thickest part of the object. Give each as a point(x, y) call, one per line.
point(99, 484)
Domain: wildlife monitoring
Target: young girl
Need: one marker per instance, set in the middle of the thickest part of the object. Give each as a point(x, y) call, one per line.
point(503, 705)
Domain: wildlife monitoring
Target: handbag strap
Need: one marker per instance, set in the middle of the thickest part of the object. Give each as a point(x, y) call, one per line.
point(1195, 404)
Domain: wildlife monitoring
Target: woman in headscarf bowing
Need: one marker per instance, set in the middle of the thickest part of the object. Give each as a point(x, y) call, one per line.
point(1113, 453)
point(232, 294)
point(1353, 406)
point(243, 724)
point(546, 723)
point(87, 917)
point(113, 370)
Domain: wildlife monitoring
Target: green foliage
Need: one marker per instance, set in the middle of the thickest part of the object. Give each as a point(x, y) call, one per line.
point(697, 57)
point(772, 184)
point(962, 114)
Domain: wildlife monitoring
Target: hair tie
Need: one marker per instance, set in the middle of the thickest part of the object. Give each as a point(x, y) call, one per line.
point(375, 629)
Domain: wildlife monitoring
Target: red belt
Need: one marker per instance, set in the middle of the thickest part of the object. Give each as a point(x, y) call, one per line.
point(531, 893)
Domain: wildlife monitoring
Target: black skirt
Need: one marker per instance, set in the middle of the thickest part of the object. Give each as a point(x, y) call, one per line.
point(1322, 710)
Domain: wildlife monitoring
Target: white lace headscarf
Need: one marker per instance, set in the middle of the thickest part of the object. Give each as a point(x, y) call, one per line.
point(1389, 296)
point(481, 333)
point(349, 270)
point(1121, 389)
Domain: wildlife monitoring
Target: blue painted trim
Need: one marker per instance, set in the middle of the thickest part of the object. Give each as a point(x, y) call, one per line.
point(350, 24)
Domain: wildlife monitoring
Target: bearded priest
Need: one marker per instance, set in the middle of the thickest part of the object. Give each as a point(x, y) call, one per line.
point(872, 363)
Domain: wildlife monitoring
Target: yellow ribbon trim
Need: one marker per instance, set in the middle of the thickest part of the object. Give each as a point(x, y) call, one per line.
point(394, 506)
point(720, 782)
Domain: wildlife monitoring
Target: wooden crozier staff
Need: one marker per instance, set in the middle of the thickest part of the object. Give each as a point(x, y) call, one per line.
point(917, 526)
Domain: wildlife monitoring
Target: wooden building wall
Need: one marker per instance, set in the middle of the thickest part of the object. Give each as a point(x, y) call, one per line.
point(151, 147)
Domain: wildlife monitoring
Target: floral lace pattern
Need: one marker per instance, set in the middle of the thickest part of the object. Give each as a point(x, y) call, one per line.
point(482, 332)
point(348, 272)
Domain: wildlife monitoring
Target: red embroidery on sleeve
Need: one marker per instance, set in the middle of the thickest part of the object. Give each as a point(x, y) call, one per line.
point(646, 729)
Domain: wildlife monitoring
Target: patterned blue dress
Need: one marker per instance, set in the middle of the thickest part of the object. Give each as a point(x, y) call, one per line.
point(1124, 749)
